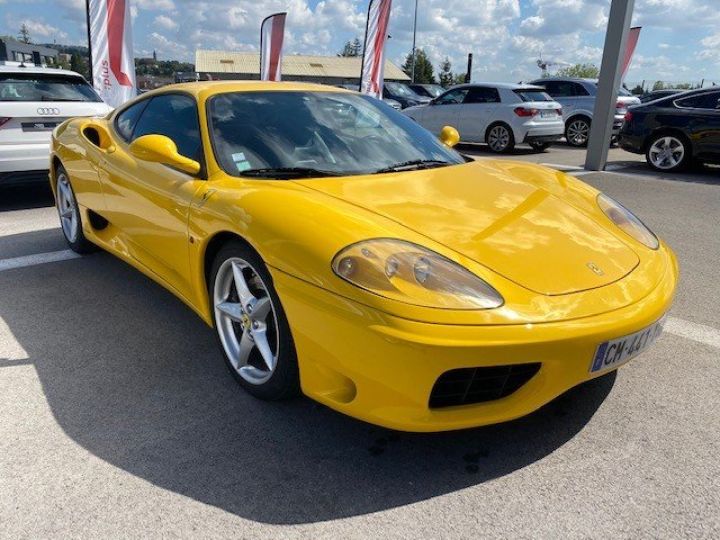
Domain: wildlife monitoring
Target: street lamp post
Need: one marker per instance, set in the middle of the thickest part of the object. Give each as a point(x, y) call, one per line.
point(413, 47)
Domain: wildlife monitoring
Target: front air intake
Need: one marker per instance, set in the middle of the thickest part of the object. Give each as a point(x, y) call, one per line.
point(478, 385)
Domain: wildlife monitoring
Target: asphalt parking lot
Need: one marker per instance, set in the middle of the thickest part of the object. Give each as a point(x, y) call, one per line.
point(118, 418)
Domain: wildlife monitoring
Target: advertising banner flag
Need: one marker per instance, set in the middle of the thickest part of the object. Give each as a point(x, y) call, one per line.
point(371, 77)
point(632, 41)
point(111, 50)
point(272, 34)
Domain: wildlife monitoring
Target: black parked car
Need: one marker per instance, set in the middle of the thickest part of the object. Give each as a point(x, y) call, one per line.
point(428, 90)
point(674, 131)
point(401, 93)
point(657, 94)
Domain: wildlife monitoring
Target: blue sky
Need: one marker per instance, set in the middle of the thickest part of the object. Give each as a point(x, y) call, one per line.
point(680, 40)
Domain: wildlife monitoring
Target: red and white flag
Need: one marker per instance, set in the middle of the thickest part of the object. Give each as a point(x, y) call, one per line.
point(371, 77)
point(272, 33)
point(632, 41)
point(111, 50)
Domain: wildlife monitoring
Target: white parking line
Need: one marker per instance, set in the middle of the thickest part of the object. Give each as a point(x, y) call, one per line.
point(694, 331)
point(39, 258)
point(564, 168)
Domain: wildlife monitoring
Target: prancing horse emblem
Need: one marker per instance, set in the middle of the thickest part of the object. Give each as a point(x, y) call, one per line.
point(595, 268)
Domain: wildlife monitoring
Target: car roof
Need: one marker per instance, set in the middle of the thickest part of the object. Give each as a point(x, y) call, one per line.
point(206, 88)
point(573, 79)
point(37, 69)
point(509, 86)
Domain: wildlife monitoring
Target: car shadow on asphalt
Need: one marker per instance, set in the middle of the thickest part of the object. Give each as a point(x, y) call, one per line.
point(134, 377)
point(25, 196)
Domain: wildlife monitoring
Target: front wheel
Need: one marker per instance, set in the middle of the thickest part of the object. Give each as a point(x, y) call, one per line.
point(577, 132)
point(667, 153)
point(540, 146)
point(251, 325)
point(500, 139)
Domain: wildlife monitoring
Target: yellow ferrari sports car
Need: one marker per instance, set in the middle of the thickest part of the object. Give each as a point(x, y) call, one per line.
point(341, 250)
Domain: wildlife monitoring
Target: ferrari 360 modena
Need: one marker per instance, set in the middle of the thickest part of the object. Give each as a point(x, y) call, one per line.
point(341, 250)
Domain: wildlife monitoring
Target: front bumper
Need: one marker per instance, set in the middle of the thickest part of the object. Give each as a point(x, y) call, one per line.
point(381, 368)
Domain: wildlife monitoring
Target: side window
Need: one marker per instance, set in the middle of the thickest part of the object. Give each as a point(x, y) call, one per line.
point(452, 97)
point(125, 121)
point(482, 95)
point(702, 101)
point(558, 89)
point(578, 89)
point(176, 117)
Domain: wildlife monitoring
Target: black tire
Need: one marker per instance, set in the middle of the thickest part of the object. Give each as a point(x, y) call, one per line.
point(577, 131)
point(677, 143)
point(503, 134)
point(540, 146)
point(74, 237)
point(284, 382)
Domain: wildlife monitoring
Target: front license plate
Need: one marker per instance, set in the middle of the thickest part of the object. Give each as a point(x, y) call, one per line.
point(616, 352)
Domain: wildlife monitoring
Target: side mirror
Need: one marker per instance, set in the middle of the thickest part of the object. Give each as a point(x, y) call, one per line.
point(449, 136)
point(162, 149)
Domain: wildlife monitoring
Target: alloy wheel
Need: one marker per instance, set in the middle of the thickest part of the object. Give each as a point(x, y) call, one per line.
point(67, 208)
point(498, 138)
point(246, 320)
point(578, 133)
point(667, 153)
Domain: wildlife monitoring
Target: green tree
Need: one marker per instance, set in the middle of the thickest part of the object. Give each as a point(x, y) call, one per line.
point(637, 90)
point(659, 85)
point(352, 48)
point(683, 86)
point(445, 75)
point(424, 72)
point(24, 35)
point(79, 65)
point(582, 71)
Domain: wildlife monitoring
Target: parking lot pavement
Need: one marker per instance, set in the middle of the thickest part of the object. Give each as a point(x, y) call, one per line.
point(118, 418)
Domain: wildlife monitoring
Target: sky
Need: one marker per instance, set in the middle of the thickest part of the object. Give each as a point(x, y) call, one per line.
point(680, 40)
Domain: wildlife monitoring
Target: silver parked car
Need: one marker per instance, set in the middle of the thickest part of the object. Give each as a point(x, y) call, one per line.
point(500, 114)
point(577, 97)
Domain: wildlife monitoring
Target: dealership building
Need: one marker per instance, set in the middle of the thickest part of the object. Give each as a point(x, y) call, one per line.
point(319, 69)
point(12, 50)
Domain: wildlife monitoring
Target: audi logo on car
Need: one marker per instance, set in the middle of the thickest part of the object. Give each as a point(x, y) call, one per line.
point(48, 111)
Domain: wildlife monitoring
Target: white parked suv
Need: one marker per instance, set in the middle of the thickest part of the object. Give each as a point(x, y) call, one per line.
point(33, 101)
point(500, 114)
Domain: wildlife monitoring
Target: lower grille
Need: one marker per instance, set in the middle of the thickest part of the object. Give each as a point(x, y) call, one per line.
point(477, 385)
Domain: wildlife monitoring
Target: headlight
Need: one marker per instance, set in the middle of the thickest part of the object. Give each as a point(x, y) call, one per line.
point(412, 274)
point(627, 221)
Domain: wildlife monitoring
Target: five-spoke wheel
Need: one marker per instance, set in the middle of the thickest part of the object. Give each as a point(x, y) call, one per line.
point(251, 324)
point(69, 212)
point(667, 153)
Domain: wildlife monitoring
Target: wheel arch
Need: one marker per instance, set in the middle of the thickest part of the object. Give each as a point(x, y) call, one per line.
point(213, 246)
point(575, 116)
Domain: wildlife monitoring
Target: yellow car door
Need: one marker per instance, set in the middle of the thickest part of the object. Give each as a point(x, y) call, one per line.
point(148, 203)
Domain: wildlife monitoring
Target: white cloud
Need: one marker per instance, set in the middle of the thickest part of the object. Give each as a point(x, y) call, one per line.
point(165, 22)
point(154, 5)
point(41, 29)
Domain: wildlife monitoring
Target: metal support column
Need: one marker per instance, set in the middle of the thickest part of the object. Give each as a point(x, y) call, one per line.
point(610, 79)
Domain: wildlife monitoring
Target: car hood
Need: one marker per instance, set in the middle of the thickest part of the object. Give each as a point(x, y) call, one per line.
point(517, 228)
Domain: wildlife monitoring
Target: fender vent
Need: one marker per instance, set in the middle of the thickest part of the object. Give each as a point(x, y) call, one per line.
point(478, 385)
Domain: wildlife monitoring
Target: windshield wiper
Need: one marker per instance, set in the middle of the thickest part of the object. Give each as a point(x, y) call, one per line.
point(49, 98)
point(289, 172)
point(414, 164)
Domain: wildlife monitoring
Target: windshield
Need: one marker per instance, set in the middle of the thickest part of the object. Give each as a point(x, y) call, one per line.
point(401, 90)
point(532, 94)
point(45, 87)
point(434, 90)
point(336, 133)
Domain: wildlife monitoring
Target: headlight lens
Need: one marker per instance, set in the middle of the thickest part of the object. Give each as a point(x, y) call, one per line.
point(412, 274)
point(627, 221)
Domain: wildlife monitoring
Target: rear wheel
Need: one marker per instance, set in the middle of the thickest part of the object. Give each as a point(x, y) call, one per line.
point(577, 131)
point(500, 138)
point(667, 152)
point(251, 325)
point(539, 146)
point(69, 212)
